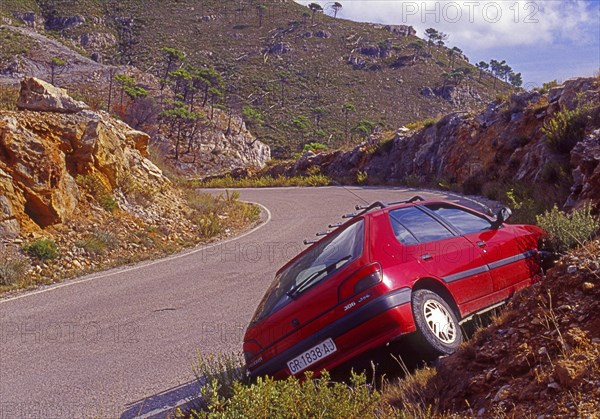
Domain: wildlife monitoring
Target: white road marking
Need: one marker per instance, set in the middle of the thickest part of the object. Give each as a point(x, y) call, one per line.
point(145, 264)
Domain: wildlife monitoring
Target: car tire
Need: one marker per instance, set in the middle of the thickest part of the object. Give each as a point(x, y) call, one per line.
point(436, 322)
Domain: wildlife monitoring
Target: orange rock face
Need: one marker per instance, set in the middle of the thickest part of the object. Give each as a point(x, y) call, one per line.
point(43, 153)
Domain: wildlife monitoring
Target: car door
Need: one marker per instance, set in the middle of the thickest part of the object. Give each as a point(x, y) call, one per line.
point(505, 254)
point(442, 253)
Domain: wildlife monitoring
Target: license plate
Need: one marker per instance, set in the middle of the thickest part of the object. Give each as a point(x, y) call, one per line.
point(311, 356)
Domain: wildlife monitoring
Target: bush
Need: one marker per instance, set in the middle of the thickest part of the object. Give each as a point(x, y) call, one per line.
point(547, 86)
point(314, 147)
point(567, 230)
point(13, 266)
point(309, 398)
point(425, 123)
point(222, 371)
point(525, 207)
point(266, 181)
point(565, 129)
point(43, 249)
point(212, 215)
point(98, 242)
point(362, 177)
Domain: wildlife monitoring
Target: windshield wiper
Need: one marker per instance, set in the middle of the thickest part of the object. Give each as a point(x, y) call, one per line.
point(302, 285)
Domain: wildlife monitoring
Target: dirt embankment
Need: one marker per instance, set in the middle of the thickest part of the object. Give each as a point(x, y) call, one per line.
point(541, 358)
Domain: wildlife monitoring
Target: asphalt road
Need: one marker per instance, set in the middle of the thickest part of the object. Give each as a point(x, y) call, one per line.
point(121, 343)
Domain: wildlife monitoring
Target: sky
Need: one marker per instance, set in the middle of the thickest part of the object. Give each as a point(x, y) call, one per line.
point(542, 39)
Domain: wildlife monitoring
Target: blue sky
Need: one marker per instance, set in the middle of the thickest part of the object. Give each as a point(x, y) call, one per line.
point(542, 39)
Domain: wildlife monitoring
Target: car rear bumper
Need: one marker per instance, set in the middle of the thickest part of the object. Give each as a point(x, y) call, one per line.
point(387, 313)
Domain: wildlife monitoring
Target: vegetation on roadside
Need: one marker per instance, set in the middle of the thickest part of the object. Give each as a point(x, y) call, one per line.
point(214, 215)
point(43, 249)
point(228, 181)
point(13, 266)
point(568, 230)
point(227, 392)
point(117, 239)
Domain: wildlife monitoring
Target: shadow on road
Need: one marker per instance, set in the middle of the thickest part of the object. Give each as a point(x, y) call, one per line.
point(163, 404)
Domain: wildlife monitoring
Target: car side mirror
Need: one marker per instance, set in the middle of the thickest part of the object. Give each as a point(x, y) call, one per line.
point(502, 215)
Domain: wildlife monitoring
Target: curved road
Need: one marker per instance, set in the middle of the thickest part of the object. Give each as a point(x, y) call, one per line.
point(121, 343)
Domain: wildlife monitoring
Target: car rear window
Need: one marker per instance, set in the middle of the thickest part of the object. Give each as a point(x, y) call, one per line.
point(412, 226)
point(325, 258)
point(464, 221)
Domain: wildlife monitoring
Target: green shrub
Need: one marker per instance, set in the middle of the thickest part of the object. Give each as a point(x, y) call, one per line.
point(565, 129)
point(425, 123)
point(13, 266)
point(98, 242)
point(314, 147)
point(266, 181)
point(362, 177)
point(567, 230)
point(209, 225)
point(547, 86)
point(301, 123)
point(108, 203)
point(43, 249)
point(293, 398)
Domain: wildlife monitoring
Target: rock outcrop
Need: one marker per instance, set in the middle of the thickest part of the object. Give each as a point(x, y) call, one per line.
point(37, 95)
point(504, 143)
point(585, 159)
point(49, 160)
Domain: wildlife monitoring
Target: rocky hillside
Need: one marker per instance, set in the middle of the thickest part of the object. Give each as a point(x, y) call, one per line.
point(221, 148)
point(78, 184)
point(293, 69)
point(544, 365)
point(548, 140)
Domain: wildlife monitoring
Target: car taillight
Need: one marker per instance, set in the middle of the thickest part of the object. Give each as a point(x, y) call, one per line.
point(365, 278)
point(367, 282)
point(248, 356)
point(251, 348)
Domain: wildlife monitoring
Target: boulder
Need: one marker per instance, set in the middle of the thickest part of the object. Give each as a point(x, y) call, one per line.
point(37, 95)
point(323, 34)
point(280, 48)
point(401, 30)
point(61, 23)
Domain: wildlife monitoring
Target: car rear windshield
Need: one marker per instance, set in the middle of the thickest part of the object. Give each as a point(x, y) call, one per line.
point(322, 260)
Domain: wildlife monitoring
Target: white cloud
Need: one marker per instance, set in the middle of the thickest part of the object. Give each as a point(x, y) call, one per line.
point(483, 24)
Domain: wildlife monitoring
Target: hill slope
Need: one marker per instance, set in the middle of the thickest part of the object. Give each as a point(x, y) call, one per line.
point(296, 70)
point(545, 364)
point(544, 146)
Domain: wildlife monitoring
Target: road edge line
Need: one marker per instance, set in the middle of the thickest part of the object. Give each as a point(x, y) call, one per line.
point(117, 270)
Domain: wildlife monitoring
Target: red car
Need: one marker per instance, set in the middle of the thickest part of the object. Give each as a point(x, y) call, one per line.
point(392, 269)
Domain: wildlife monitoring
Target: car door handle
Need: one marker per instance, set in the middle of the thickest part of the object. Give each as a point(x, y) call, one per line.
point(426, 257)
point(481, 243)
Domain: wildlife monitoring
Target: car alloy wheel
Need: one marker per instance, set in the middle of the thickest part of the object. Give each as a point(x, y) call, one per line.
point(436, 322)
point(439, 321)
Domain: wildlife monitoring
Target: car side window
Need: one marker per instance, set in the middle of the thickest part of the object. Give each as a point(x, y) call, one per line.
point(464, 221)
point(412, 226)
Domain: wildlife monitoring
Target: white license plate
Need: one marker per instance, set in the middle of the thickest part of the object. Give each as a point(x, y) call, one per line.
point(311, 356)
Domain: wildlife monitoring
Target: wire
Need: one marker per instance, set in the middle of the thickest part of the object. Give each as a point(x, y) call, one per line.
point(356, 195)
